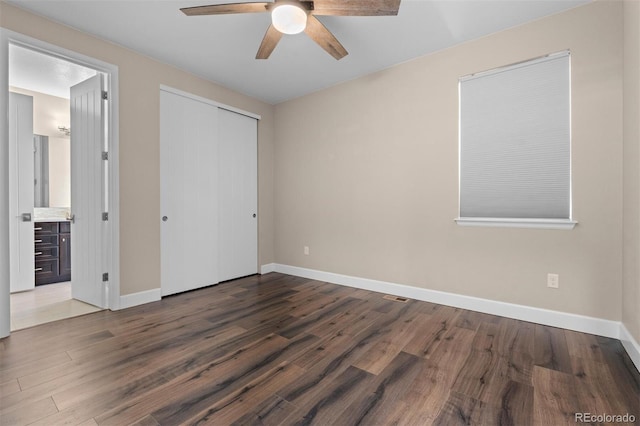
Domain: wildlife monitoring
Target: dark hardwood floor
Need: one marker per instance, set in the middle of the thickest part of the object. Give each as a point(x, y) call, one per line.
point(278, 349)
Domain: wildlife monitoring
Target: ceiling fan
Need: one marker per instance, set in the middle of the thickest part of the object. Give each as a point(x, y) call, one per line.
point(295, 16)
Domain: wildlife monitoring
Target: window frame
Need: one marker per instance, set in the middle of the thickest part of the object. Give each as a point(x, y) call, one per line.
point(515, 222)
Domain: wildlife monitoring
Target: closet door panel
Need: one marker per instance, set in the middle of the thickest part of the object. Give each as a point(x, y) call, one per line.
point(238, 229)
point(189, 193)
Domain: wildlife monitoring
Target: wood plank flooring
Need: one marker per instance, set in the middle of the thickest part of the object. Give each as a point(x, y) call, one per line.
point(283, 350)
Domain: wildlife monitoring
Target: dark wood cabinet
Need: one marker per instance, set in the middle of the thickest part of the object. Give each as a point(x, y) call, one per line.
point(52, 252)
point(65, 257)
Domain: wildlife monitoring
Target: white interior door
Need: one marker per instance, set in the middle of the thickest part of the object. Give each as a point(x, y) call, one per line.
point(188, 193)
point(238, 223)
point(87, 191)
point(21, 175)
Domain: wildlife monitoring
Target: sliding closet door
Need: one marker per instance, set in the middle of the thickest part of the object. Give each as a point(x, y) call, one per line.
point(238, 230)
point(188, 193)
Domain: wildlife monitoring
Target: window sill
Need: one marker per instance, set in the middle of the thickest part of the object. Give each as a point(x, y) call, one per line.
point(566, 224)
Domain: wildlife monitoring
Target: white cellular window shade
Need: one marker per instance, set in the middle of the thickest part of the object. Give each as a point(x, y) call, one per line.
point(515, 148)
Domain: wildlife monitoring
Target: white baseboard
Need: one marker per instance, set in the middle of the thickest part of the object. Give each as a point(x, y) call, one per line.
point(632, 347)
point(135, 299)
point(559, 319)
point(269, 267)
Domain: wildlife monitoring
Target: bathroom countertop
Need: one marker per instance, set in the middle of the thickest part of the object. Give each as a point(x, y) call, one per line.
point(50, 219)
point(51, 214)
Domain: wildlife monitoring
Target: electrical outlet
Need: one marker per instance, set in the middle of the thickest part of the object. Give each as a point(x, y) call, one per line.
point(553, 281)
point(306, 250)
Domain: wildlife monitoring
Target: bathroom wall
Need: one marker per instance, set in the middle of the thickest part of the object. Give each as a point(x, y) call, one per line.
point(49, 112)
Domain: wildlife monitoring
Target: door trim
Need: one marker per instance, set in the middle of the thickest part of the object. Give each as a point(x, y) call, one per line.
point(111, 248)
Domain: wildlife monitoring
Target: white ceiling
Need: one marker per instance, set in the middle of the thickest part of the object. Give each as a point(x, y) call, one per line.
point(222, 48)
point(43, 73)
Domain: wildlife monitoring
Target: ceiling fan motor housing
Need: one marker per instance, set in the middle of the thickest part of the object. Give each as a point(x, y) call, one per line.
point(289, 18)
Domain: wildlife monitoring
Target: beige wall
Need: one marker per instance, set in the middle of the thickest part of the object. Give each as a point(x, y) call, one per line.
point(59, 172)
point(49, 112)
point(631, 288)
point(366, 175)
point(140, 80)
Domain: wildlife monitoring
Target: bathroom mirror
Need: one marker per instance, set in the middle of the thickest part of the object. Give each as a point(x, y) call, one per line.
point(41, 170)
point(52, 171)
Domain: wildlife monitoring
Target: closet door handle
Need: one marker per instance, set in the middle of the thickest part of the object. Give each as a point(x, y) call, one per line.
point(38, 241)
point(38, 253)
point(38, 269)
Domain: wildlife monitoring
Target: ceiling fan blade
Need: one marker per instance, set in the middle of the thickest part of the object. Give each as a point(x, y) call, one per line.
point(269, 42)
point(356, 7)
point(321, 35)
point(223, 9)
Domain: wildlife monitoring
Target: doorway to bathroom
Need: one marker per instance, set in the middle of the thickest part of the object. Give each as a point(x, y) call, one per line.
point(61, 185)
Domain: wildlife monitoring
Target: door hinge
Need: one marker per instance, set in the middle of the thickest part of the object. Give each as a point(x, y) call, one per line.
point(105, 95)
point(105, 155)
point(105, 216)
point(105, 277)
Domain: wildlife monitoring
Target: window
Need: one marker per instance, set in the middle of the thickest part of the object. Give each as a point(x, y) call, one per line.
point(515, 147)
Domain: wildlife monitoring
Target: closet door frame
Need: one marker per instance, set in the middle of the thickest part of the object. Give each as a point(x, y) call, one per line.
point(170, 89)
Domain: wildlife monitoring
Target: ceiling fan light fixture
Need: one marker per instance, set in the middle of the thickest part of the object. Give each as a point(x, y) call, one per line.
point(289, 19)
